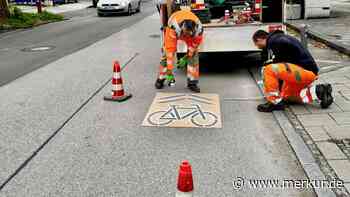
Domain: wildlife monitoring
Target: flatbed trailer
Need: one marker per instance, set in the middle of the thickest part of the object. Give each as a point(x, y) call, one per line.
point(222, 37)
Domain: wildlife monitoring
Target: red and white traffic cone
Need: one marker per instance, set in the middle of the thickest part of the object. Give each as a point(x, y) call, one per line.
point(185, 180)
point(118, 93)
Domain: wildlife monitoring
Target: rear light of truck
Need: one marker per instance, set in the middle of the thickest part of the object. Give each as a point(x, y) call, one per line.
point(198, 4)
point(272, 28)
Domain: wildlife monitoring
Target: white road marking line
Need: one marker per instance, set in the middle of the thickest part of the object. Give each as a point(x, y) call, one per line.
point(329, 61)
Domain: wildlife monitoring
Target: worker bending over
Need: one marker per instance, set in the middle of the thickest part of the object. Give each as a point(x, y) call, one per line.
point(182, 25)
point(289, 73)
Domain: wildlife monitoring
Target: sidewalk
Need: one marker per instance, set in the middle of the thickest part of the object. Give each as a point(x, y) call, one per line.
point(321, 137)
point(333, 31)
point(327, 132)
point(58, 8)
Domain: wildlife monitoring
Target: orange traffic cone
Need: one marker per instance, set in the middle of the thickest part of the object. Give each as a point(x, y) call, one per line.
point(118, 93)
point(185, 180)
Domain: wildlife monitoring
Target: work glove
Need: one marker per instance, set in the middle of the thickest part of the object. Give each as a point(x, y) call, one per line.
point(182, 63)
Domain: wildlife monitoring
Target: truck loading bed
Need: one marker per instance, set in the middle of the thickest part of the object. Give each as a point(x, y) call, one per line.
point(234, 29)
point(227, 38)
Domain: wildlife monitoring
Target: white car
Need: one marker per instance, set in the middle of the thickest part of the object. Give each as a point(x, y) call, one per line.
point(118, 6)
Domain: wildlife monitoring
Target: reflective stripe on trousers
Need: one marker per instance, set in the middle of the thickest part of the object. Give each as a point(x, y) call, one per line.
point(166, 63)
point(192, 68)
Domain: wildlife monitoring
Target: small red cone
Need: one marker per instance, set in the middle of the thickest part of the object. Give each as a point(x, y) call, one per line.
point(118, 93)
point(185, 180)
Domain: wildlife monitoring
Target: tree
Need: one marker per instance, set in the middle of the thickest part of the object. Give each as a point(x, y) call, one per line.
point(4, 10)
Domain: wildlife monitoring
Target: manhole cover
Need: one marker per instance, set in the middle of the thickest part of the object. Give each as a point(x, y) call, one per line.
point(38, 48)
point(155, 36)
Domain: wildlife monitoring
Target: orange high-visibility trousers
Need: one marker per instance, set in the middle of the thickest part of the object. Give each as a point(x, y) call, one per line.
point(192, 67)
point(294, 78)
point(166, 64)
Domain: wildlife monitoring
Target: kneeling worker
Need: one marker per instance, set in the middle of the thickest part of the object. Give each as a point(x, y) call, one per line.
point(182, 25)
point(291, 66)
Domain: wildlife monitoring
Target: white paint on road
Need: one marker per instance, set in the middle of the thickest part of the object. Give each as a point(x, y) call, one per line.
point(327, 67)
point(328, 61)
point(40, 48)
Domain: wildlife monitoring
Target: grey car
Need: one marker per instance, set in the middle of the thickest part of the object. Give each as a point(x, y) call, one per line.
point(118, 6)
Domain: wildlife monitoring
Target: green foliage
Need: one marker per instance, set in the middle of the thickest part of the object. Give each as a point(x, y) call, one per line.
point(17, 13)
point(47, 16)
point(19, 19)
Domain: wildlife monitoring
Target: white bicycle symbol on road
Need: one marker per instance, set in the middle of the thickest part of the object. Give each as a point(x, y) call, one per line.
point(198, 117)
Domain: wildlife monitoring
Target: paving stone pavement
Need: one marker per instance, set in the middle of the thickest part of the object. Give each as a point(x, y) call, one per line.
point(341, 167)
point(327, 131)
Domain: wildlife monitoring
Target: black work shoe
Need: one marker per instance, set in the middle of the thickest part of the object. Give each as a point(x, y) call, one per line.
point(159, 83)
point(324, 93)
point(194, 88)
point(269, 107)
point(171, 83)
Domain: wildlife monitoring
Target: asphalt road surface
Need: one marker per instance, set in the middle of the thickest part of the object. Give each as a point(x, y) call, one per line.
point(60, 138)
point(81, 30)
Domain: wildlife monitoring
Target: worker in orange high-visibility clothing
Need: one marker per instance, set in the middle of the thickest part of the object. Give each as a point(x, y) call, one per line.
point(289, 73)
point(182, 25)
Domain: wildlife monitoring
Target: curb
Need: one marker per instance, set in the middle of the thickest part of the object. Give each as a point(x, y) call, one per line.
point(319, 37)
point(301, 150)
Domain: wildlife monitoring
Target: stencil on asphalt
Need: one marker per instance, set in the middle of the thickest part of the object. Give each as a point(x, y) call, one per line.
point(184, 110)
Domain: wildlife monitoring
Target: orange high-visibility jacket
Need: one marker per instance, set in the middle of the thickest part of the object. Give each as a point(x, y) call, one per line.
point(173, 31)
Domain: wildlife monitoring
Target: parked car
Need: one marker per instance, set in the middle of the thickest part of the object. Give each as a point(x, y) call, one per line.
point(118, 6)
